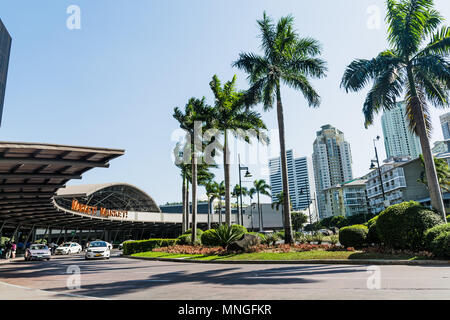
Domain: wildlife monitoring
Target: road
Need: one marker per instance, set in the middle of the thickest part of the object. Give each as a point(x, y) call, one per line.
point(122, 278)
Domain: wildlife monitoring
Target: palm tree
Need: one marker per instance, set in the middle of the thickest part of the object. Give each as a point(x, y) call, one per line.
point(416, 65)
point(287, 59)
point(221, 193)
point(279, 201)
point(261, 187)
point(213, 192)
point(237, 191)
point(251, 193)
point(195, 117)
point(232, 115)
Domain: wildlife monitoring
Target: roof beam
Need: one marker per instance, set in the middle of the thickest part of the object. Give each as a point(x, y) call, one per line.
point(38, 176)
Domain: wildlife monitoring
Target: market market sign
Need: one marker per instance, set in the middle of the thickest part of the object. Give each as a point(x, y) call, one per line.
point(95, 211)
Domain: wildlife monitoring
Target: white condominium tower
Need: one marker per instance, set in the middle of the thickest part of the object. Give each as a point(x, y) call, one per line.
point(301, 180)
point(5, 49)
point(399, 141)
point(445, 124)
point(332, 160)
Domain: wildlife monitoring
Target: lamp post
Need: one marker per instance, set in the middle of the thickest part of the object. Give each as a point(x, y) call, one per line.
point(247, 175)
point(309, 201)
point(372, 166)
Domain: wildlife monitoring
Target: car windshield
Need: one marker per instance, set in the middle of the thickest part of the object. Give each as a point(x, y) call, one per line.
point(97, 244)
point(66, 245)
point(38, 247)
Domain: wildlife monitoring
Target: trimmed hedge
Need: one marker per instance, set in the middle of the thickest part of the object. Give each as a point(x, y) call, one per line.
point(441, 245)
point(131, 247)
point(402, 226)
point(433, 233)
point(353, 236)
point(372, 236)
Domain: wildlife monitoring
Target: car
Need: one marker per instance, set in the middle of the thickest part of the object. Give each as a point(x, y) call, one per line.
point(121, 245)
point(68, 248)
point(98, 250)
point(37, 251)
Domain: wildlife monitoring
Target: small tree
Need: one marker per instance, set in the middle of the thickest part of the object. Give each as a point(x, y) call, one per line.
point(298, 219)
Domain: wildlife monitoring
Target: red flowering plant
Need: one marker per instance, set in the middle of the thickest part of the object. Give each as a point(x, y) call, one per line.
point(187, 249)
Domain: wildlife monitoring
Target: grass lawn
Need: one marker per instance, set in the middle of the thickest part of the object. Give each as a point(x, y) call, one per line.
point(307, 255)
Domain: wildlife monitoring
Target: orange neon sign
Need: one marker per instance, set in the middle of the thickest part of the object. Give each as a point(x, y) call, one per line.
point(83, 208)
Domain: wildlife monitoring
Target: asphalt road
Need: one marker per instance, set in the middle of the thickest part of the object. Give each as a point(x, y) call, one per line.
point(122, 278)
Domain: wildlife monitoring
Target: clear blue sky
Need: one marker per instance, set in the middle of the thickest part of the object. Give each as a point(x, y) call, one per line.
point(115, 82)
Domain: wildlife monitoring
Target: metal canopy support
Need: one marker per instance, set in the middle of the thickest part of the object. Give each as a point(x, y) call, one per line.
point(29, 235)
point(59, 236)
point(74, 235)
point(14, 234)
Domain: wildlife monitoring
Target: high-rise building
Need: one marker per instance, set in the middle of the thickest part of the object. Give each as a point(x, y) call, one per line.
point(5, 49)
point(300, 178)
point(399, 141)
point(332, 162)
point(445, 124)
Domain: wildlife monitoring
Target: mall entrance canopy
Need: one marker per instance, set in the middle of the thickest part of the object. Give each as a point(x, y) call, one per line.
point(32, 173)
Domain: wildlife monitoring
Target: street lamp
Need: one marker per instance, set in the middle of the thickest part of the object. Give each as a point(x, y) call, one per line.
point(377, 166)
point(247, 175)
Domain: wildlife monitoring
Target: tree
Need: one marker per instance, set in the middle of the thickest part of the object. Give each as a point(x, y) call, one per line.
point(261, 187)
point(231, 114)
point(442, 171)
point(279, 201)
point(288, 59)
point(213, 192)
point(237, 191)
point(416, 65)
point(196, 115)
point(250, 194)
point(298, 219)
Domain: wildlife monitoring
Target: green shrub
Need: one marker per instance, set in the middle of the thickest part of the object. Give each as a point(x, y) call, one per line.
point(318, 237)
point(260, 235)
point(334, 239)
point(131, 247)
point(448, 218)
point(300, 237)
point(402, 226)
point(225, 235)
point(280, 234)
point(270, 239)
point(433, 233)
point(199, 232)
point(240, 228)
point(353, 236)
point(208, 238)
point(184, 239)
point(372, 236)
point(309, 238)
point(441, 245)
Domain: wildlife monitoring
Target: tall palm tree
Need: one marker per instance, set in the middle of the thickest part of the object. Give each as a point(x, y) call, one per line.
point(221, 193)
point(193, 120)
point(415, 66)
point(232, 116)
point(279, 201)
point(288, 59)
point(261, 187)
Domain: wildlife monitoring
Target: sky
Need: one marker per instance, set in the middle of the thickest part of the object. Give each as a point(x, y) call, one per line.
point(114, 81)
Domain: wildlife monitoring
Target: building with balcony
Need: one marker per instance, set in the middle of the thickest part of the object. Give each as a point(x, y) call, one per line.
point(332, 162)
point(5, 50)
point(346, 199)
point(399, 183)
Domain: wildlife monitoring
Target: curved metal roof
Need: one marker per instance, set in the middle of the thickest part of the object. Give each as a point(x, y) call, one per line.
point(118, 196)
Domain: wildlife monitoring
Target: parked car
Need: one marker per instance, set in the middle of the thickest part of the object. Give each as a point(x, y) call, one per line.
point(98, 250)
point(68, 248)
point(37, 251)
point(121, 245)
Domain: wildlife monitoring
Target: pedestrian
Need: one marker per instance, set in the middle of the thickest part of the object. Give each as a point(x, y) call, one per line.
point(13, 250)
point(8, 250)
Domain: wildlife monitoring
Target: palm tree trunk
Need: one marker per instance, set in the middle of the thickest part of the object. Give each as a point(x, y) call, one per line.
point(226, 166)
point(251, 213)
point(220, 211)
point(430, 168)
point(188, 206)
point(183, 218)
point(287, 214)
point(261, 227)
point(209, 213)
point(194, 197)
point(237, 206)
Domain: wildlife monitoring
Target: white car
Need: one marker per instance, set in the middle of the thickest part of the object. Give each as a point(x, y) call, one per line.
point(68, 248)
point(98, 250)
point(37, 252)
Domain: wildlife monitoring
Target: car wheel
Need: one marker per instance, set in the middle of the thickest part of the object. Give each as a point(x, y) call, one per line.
point(48, 259)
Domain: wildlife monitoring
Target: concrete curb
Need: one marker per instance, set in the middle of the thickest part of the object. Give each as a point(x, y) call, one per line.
point(348, 262)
